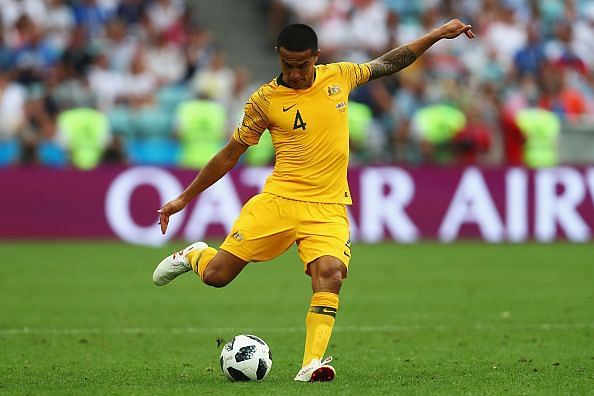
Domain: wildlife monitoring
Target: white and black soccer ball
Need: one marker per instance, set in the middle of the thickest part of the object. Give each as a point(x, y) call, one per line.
point(246, 358)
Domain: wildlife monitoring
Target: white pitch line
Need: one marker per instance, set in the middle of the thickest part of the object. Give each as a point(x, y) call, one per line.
point(345, 329)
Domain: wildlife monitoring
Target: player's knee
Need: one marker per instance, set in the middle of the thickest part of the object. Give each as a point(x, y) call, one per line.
point(331, 274)
point(215, 278)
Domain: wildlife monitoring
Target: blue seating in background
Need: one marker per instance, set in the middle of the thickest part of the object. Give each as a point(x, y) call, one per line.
point(160, 151)
point(120, 121)
point(51, 154)
point(146, 133)
point(147, 121)
point(169, 97)
point(10, 151)
point(152, 121)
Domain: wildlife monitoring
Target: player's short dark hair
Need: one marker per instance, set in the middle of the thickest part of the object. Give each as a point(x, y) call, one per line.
point(297, 37)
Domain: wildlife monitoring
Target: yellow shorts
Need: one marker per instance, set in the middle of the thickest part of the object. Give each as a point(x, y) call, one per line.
point(268, 225)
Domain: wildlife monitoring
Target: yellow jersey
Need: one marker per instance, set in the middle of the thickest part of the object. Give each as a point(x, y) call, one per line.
point(309, 130)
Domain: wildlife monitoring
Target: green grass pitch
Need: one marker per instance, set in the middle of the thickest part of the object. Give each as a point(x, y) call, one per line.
point(468, 318)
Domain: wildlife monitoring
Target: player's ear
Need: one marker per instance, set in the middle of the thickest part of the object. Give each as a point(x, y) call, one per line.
point(316, 54)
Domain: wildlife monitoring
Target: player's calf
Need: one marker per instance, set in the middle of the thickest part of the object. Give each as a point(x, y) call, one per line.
point(219, 269)
point(215, 278)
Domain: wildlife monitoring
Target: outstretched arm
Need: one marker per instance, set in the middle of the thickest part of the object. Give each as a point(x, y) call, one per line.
point(401, 57)
point(215, 169)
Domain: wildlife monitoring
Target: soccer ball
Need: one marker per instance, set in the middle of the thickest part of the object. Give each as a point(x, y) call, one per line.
point(246, 358)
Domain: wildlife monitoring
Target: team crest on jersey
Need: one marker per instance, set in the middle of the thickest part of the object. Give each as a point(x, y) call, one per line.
point(237, 236)
point(333, 90)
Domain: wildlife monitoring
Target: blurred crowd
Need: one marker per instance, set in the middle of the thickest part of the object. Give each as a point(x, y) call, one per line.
point(502, 98)
point(113, 81)
point(88, 82)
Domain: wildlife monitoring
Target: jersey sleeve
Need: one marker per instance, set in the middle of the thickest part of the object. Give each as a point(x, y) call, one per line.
point(354, 73)
point(255, 118)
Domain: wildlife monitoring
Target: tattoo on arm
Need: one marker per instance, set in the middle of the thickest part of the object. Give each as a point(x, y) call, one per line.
point(392, 62)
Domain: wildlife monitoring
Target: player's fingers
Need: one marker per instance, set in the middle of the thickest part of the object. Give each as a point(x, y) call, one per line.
point(467, 31)
point(163, 221)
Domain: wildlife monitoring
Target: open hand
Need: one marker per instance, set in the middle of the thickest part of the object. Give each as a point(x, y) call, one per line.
point(454, 28)
point(170, 208)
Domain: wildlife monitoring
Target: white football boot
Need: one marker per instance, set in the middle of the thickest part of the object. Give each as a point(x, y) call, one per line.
point(175, 265)
point(317, 371)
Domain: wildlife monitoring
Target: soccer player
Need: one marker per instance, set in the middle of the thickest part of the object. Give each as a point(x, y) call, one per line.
point(303, 201)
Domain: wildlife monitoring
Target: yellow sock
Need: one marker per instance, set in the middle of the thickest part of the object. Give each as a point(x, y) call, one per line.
point(319, 322)
point(200, 260)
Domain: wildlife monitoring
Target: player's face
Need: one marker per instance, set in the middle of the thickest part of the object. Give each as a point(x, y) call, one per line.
point(298, 67)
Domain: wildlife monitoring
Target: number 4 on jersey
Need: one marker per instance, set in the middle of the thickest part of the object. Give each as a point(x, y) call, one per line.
point(298, 123)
